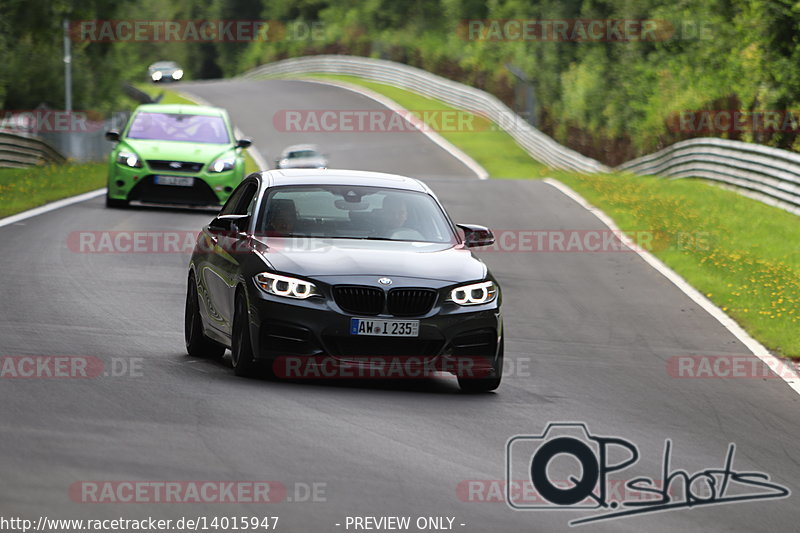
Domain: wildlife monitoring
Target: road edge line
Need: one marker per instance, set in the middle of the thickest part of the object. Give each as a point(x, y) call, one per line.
point(52, 206)
point(758, 349)
point(390, 104)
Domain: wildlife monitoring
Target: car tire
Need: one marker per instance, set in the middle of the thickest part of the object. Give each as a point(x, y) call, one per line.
point(475, 385)
point(197, 344)
point(113, 202)
point(242, 357)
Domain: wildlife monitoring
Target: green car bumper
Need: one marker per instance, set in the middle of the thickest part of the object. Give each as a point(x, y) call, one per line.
point(165, 185)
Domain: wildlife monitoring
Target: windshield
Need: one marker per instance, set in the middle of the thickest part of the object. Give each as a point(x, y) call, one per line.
point(347, 212)
point(179, 127)
point(301, 154)
point(163, 66)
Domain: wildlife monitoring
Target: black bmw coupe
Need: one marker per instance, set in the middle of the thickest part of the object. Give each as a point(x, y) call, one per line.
point(315, 273)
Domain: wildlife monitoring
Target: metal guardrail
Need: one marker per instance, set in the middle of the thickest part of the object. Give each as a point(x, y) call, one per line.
point(767, 174)
point(20, 150)
point(536, 143)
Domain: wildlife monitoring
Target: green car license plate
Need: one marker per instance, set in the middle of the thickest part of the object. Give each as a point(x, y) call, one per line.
point(179, 181)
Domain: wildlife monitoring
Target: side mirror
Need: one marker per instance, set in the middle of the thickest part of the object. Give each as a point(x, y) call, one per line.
point(229, 224)
point(243, 143)
point(112, 135)
point(475, 235)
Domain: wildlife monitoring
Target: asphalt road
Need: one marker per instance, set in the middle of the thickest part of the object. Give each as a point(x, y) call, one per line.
point(588, 338)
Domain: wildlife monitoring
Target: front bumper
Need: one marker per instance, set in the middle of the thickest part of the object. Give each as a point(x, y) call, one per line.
point(138, 184)
point(305, 333)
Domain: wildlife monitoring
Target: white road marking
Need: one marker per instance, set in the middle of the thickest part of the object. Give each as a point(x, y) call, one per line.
point(260, 161)
point(758, 349)
point(58, 204)
point(443, 143)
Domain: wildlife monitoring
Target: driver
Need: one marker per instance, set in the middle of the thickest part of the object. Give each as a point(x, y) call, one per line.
point(394, 214)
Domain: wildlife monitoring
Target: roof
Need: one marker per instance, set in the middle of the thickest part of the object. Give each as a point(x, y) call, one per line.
point(327, 176)
point(164, 64)
point(182, 109)
point(300, 148)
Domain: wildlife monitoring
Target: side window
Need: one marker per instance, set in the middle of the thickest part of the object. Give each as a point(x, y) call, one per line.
point(233, 199)
point(244, 207)
point(241, 200)
point(251, 206)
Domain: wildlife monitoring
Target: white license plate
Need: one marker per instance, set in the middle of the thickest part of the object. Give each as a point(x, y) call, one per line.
point(384, 328)
point(180, 181)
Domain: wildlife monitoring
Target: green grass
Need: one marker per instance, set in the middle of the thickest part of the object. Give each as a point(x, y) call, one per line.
point(742, 254)
point(26, 188)
point(172, 97)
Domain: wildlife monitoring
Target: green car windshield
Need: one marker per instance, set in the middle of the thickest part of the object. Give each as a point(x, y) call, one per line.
point(179, 127)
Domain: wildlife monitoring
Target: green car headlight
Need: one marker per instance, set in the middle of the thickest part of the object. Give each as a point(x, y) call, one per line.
point(222, 164)
point(129, 159)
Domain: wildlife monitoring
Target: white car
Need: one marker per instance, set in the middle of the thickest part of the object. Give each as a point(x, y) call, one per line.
point(162, 71)
point(301, 156)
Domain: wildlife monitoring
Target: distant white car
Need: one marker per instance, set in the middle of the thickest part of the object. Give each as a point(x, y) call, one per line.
point(162, 71)
point(301, 156)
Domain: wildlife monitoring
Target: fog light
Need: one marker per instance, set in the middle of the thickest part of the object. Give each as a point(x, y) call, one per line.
point(228, 189)
point(120, 183)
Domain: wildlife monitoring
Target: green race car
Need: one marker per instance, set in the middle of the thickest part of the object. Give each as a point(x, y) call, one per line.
point(175, 154)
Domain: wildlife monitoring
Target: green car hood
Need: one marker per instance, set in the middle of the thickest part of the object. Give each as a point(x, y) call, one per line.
point(177, 150)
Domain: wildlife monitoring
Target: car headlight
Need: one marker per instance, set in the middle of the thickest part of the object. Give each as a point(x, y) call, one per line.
point(156, 75)
point(222, 164)
point(129, 159)
point(286, 286)
point(178, 74)
point(474, 294)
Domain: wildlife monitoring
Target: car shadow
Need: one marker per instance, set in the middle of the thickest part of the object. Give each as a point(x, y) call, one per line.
point(444, 384)
point(174, 208)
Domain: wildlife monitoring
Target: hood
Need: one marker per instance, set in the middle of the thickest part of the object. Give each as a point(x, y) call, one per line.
point(318, 258)
point(177, 150)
